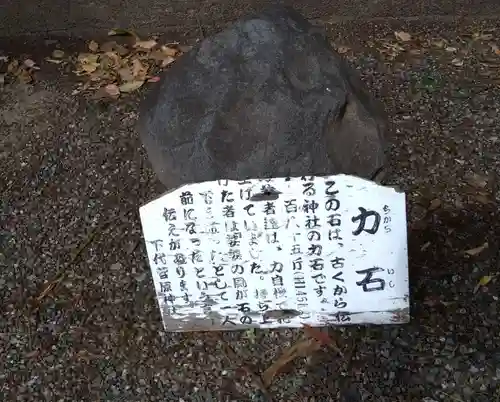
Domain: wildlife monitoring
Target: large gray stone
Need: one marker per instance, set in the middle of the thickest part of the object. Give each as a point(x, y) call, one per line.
point(266, 97)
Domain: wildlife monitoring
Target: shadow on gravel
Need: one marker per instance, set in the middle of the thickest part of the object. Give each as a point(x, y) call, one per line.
point(451, 323)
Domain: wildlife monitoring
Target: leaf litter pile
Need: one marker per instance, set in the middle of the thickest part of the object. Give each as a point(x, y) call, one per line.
point(118, 66)
point(111, 68)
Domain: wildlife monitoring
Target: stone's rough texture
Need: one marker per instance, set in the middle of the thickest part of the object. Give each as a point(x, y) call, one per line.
point(266, 97)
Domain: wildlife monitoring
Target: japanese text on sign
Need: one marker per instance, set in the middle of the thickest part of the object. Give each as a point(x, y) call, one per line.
point(328, 250)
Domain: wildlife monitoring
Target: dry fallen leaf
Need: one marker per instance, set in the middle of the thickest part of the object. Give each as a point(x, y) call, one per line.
point(54, 61)
point(93, 46)
point(112, 90)
point(169, 51)
point(109, 46)
point(122, 32)
point(139, 70)
point(402, 36)
point(477, 250)
point(343, 49)
point(131, 86)
point(321, 337)
point(13, 66)
point(168, 60)
point(303, 348)
point(434, 204)
point(451, 49)
point(2, 79)
point(440, 43)
point(88, 62)
point(477, 181)
point(88, 58)
point(483, 282)
point(110, 61)
point(125, 74)
point(484, 199)
point(479, 36)
point(145, 44)
point(57, 54)
point(30, 64)
point(127, 67)
point(24, 76)
point(457, 62)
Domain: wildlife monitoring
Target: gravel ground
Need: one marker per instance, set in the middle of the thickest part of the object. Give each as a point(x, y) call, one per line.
point(74, 174)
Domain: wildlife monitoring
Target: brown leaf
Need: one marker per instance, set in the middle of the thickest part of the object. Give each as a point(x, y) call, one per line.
point(440, 43)
point(122, 50)
point(90, 67)
point(139, 70)
point(30, 64)
point(169, 51)
point(185, 48)
point(112, 90)
point(457, 62)
point(154, 79)
point(402, 36)
point(321, 337)
point(54, 61)
point(484, 199)
point(125, 74)
point(111, 60)
point(145, 44)
point(479, 36)
point(168, 60)
point(303, 348)
point(25, 77)
point(434, 204)
point(131, 86)
point(93, 46)
point(109, 46)
point(477, 181)
point(342, 49)
point(123, 32)
point(477, 250)
point(88, 58)
point(165, 59)
point(57, 54)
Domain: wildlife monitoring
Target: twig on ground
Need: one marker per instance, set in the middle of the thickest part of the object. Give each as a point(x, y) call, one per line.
point(60, 276)
point(322, 337)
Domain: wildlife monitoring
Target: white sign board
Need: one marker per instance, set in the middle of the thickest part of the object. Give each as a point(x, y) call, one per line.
point(281, 252)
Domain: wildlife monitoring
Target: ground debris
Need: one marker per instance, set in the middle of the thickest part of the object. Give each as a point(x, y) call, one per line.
point(111, 69)
point(303, 348)
point(13, 70)
point(477, 250)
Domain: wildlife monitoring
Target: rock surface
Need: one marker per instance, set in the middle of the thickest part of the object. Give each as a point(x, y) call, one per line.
point(266, 97)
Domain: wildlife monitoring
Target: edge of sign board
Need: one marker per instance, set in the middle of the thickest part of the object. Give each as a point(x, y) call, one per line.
point(371, 182)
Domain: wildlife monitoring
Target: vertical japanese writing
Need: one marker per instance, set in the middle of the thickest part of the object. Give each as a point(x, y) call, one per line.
point(160, 264)
point(387, 218)
point(332, 206)
point(339, 290)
